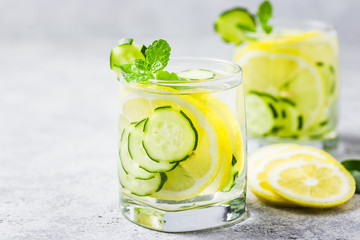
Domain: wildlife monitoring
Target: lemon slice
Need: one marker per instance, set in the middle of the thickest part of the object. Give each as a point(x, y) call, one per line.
point(234, 163)
point(286, 76)
point(286, 42)
point(258, 172)
point(313, 46)
point(266, 152)
point(319, 49)
point(322, 51)
point(311, 182)
point(200, 170)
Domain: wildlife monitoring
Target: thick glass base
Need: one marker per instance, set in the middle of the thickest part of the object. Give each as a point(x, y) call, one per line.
point(198, 218)
point(329, 144)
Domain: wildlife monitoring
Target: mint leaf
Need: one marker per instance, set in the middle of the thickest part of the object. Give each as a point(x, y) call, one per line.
point(125, 68)
point(264, 14)
point(165, 75)
point(142, 65)
point(157, 66)
point(158, 55)
point(138, 76)
point(136, 72)
point(156, 58)
point(353, 166)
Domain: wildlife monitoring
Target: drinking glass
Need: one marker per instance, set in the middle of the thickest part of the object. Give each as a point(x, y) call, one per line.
point(291, 83)
point(182, 148)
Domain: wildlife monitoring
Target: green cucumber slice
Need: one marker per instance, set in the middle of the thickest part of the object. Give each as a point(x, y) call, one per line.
point(261, 114)
point(125, 41)
point(234, 24)
point(138, 154)
point(324, 126)
point(291, 119)
point(196, 74)
point(141, 187)
point(233, 176)
point(169, 135)
point(130, 166)
point(125, 53)
point(274, 105)
point(232, 182)
point(265, 95)
point(276, 110)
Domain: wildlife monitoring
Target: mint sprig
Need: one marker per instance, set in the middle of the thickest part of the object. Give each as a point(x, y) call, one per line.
point(264, 14)
point(157, 56)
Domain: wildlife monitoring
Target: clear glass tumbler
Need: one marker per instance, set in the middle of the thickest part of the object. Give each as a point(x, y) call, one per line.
point(182, 148)
point(291, 83)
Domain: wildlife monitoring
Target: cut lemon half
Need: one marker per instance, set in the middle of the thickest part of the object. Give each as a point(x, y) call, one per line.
point(258, 172)
point(196, 173)
point(311, 182)
point(286, 76)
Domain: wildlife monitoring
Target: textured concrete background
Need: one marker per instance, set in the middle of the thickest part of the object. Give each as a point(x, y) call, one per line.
point(58, 104)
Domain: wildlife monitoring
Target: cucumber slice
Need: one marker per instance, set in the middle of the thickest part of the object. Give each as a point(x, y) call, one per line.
point(196, 74)
point(319, 130)
point(232, 183)
point(261, 114)
point(274, 105)
point(125, 41)
point(291, 119)
point(276, 110)
point(234, 24)
point(138, 154)
point(130, 166)
point(169, 135)
point(141, 187)
point(265, 95)
point(234, 175)
point(125, 53)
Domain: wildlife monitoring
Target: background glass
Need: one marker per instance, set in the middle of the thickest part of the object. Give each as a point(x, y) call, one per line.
point(291, 83)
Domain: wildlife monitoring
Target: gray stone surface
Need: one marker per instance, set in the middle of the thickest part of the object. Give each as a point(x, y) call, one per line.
point(58, 105)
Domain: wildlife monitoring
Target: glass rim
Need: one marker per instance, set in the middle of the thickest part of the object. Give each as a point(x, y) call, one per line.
point(307, 22)
point(228, 77)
